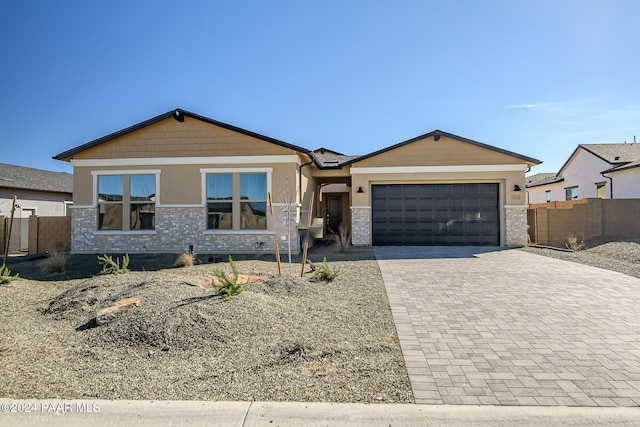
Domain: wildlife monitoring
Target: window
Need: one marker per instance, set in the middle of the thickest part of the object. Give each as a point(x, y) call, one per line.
point(220, 201)
point(253, 200)
point(236, 201)
point(572, 193)
point(601, 190)
point(121, 194)
point(548, 195)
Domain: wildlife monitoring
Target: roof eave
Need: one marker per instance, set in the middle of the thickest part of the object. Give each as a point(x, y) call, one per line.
point(530, 160)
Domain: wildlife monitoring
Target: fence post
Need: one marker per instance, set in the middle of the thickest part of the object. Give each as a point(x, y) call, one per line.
point(33, 234)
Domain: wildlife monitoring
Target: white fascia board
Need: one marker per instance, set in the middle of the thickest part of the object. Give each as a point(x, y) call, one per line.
point(437, 169)
point(161, 161)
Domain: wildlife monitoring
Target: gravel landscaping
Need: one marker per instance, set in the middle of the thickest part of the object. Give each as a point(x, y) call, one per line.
point(284, 338)
point(620, 256)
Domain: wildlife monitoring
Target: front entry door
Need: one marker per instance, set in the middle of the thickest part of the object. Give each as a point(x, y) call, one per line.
point(334, 214)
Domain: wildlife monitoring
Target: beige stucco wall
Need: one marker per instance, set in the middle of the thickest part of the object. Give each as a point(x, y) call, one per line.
point(182, 184)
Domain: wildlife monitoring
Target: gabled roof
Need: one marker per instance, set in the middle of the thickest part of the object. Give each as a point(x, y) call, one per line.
point(24, 178)
point(623, 167)
point(179, 115)
point(542, 179)
point(328, 159)
point(436, 134)
point(617, 154)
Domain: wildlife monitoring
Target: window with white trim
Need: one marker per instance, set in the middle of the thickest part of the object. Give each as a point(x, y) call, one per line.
point(126, 202)
point(236, 201)
point(571, 193)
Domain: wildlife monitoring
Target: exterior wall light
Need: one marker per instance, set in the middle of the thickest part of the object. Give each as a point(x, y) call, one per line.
point(516, 188)
point(360, 190)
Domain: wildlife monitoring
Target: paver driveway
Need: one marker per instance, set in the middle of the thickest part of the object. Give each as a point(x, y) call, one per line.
point(506, 327)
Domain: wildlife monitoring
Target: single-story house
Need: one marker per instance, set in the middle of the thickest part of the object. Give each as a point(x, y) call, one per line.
point(39, 192)
point(605, 171)
point(181, 180)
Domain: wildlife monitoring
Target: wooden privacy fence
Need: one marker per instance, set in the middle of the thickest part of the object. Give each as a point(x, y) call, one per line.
point(552, 223)
point(46, 233)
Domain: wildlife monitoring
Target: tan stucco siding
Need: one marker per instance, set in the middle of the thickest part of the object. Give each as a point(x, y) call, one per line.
point(443, 152)
point(182, 184)
point(192, 138)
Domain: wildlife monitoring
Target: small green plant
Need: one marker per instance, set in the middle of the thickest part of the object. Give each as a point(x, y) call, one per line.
point(574, 244)
point(187, 259)
point(111, 266)
point(5, 275)
point(342, 239)
point(228, 284)
point(55, 262)
point(325, 272)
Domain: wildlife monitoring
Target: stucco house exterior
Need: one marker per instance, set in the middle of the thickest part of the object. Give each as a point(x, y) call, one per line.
point(604, 171)
point(181, 180)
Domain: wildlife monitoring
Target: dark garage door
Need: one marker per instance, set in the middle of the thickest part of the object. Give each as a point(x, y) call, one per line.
point(435, 214)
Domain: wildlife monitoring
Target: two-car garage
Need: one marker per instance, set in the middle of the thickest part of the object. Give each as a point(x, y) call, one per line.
point(435, 214)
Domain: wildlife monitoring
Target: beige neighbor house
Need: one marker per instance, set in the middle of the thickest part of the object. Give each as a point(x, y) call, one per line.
point(182, 180)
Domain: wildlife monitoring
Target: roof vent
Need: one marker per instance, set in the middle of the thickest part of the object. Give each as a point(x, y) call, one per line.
point(617, 158)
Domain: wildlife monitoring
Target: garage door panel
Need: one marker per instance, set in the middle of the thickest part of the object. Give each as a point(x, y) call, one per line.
point(435, 214)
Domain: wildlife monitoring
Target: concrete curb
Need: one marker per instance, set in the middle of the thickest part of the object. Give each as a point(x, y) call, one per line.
point(121, 413)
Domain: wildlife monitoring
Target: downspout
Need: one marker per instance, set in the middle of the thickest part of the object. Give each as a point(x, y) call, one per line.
point(610, 184)
point(300, 178)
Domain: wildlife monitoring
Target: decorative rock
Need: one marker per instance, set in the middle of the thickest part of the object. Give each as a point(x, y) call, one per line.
point(107, 314)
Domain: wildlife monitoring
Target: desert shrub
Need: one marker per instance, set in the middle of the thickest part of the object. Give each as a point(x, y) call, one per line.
point(325, 272)
point(342, 239)
point(228, 284)
point(111, 266)
point(5, 275)
point(297, 347)
point(55, 262)
point(187, 259)
point(574, 244)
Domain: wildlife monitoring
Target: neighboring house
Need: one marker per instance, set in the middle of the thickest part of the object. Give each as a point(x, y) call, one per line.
point(39, 192)
point(182, 180)
point(605, 171)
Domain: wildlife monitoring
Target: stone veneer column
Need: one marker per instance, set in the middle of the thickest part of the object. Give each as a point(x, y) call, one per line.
point(361, 225)
point(515, 217)
point(83, 224)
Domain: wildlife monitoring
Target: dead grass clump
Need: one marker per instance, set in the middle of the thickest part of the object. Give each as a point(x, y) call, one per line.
point(574, 244)
point(55, 262)
point(186, 259)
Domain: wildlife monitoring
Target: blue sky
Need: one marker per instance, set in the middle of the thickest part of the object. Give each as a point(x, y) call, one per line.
point(535, 77)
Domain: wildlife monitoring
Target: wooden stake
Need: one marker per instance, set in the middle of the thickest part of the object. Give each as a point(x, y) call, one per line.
point(275, 241)
point(306, 236)
point(6, 247)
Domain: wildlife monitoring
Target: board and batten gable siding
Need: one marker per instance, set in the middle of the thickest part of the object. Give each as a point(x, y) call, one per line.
point(444, 152)
point(191, 138)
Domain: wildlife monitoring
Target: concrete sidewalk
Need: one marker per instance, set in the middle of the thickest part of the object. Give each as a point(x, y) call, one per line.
point(122, 413)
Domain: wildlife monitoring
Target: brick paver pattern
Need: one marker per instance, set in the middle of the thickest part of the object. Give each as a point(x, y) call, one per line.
point(505, 327)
